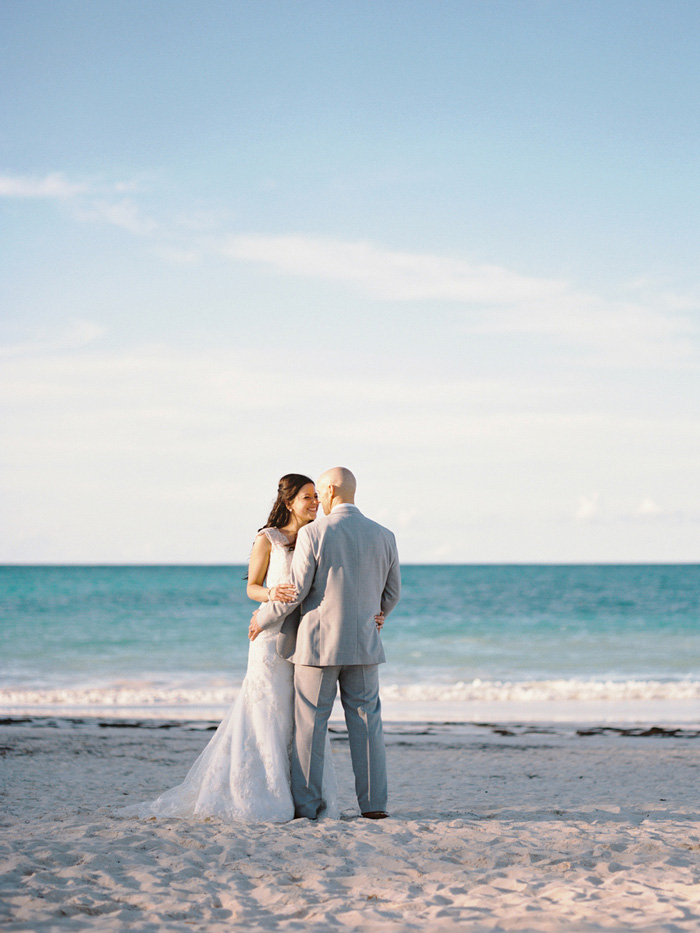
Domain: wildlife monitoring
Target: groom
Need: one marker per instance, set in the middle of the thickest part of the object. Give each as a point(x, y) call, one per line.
point(345, 570)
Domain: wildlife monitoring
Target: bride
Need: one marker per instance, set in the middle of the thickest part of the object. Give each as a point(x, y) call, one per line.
point(243, 773)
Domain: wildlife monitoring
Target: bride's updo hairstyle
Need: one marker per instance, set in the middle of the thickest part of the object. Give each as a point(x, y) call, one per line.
point(287, 491)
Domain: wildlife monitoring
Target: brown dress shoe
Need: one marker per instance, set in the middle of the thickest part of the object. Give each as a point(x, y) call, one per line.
point(376, 815)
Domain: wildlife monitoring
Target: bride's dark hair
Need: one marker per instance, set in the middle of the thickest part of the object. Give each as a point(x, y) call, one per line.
point(287, 490)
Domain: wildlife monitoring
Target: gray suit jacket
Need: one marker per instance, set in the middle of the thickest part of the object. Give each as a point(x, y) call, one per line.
point(345, 569)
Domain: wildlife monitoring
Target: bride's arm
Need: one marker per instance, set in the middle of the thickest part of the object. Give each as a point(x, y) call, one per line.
point(302, 576)
point(257, 571)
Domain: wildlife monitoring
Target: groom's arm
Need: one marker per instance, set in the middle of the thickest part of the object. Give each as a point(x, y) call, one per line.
point(392, 587)
point(301, 577)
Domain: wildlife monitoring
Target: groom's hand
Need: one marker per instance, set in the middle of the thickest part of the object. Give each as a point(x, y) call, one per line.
point(254, 629)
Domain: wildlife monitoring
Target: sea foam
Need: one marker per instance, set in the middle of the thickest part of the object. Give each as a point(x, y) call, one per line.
point(463, 700)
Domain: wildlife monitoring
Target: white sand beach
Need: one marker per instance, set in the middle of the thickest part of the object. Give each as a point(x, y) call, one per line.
point(492, 828)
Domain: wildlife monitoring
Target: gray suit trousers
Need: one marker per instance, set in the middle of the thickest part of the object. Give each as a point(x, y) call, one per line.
point(315, 690)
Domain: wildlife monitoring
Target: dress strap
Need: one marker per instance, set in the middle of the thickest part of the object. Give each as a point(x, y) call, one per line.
point(274, 536)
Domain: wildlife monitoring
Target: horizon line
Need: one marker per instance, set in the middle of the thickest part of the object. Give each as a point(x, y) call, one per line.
point(490, 563)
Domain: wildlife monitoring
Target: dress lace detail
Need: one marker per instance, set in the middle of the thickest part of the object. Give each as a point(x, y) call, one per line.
point(243, 773)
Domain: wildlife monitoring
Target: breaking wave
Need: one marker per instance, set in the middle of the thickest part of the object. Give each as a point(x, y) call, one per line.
point(193, 700)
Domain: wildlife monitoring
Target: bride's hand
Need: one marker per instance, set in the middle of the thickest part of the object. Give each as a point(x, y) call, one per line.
point(283, 593)
point(379, 619)
point(253, 628)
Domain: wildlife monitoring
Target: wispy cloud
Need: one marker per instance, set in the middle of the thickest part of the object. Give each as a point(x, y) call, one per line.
point(649, 508)
point(177, 256)
point(90, 200)
point(648, 512)
point(496, 300)
point(54, 185)
point(656, 329)
point(78, 334)
point(392, 275)
point(588, 507)
point(124, 214)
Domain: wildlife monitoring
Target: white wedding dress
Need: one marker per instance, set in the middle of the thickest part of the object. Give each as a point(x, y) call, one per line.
point(243, 773)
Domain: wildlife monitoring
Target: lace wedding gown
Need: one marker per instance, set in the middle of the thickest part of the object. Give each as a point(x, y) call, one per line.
point(243, 773)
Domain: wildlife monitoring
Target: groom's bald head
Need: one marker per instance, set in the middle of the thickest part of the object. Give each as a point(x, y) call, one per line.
point(335, 486)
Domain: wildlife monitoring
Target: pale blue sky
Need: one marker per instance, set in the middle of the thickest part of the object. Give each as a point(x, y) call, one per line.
point(452, 245)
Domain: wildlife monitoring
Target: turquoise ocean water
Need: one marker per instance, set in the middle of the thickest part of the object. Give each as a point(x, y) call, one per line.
point(174, 639)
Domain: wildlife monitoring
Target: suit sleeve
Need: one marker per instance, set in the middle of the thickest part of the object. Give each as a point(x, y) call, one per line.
point(302, 576)
point(392, 587)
